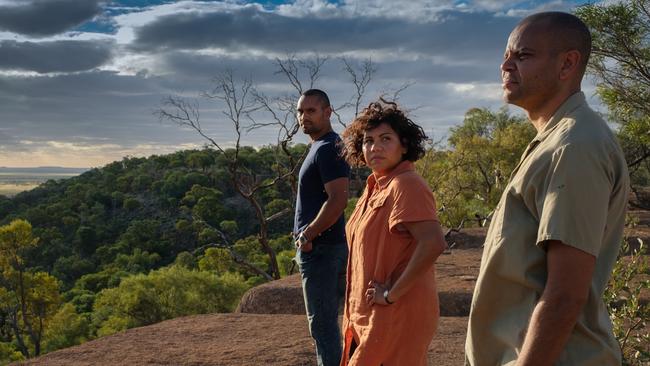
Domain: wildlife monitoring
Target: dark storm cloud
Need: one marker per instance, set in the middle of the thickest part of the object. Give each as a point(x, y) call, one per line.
point(9, 142)
point(101, 104)
point(56, 56)
point(264, 70)
point(47, 17)
point(455, 34)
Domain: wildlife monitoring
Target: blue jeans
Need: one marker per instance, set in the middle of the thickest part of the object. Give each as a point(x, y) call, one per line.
point(323, 285)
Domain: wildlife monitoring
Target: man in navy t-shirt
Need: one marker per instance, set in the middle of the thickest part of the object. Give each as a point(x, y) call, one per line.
point(319, 225)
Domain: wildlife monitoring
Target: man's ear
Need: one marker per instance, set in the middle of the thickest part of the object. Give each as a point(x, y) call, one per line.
point(570, 64)
point(328, 111)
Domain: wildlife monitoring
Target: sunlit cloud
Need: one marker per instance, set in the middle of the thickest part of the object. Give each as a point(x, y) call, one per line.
point(481, 92)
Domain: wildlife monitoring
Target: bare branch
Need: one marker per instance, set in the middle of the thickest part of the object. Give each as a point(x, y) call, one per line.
point(277, 215)
point(360, 77)
point(289, 68)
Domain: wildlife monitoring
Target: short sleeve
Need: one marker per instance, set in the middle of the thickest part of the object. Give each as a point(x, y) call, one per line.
point(574, 201)
point(331, 164)
point(412, 202)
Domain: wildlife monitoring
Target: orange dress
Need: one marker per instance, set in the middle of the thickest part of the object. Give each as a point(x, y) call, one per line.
point(397, 334)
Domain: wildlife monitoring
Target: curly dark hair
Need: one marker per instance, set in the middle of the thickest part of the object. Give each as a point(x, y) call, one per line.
point(411, 135)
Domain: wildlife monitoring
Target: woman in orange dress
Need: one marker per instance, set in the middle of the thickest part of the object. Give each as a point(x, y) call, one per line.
point(394, 237)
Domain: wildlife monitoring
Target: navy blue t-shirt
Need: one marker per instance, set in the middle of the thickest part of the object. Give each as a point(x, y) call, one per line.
point(322, 164)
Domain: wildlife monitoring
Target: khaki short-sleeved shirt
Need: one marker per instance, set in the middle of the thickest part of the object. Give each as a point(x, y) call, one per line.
point(570, 185)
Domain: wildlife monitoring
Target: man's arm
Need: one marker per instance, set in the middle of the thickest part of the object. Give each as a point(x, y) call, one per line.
point(570, 272)
point(337, 200)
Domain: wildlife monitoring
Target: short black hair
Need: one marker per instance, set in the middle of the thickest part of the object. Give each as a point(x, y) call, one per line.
point(568, 31)
point(318, 93)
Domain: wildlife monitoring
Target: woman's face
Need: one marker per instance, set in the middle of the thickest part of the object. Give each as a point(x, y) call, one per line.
point(382, 149)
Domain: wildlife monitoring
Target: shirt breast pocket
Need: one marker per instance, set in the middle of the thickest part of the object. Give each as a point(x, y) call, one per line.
point(377, 201)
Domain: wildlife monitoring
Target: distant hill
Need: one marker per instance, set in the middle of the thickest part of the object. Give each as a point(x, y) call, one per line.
point(16, 180)
point(43, 170)
point(139, 230)
point(161, 205)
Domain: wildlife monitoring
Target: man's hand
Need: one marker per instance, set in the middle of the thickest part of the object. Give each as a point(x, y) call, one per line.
point(303, 243)
point(307, 247)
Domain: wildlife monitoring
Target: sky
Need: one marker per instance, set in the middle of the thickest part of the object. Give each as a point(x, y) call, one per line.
point(80, 80)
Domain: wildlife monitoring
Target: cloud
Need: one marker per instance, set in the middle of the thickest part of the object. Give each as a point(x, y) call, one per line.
point(55, 56)
point(69, 153)
point(96, 107)
point(483, 92)
point(40, 18)
point(414, 10)
point(456, 34)
point(81, 96)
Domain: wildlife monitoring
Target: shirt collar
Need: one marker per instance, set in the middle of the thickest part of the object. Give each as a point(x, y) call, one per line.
point(569, 105)
point(383, 181)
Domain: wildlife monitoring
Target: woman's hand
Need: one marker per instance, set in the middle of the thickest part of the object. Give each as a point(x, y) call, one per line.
point(375, 293)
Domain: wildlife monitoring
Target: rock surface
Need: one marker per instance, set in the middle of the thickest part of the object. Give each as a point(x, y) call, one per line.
point(227, 340)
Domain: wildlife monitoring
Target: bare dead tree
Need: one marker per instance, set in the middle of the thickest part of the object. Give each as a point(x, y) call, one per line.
point(301, 74)
point(243, 106)
point(292, 68)
point(239, 105)
point(360, 76)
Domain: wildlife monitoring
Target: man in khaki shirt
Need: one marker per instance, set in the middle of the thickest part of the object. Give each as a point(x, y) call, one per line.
point(556, 231)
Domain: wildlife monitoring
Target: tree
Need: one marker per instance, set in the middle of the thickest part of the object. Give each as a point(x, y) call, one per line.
point(630, 315)
point(200, 159)
point(240, 104)
point(468, 179)
point(66, 329)
point(205, 204)
point(620, 62)
point(29, 298)
point(165, 294)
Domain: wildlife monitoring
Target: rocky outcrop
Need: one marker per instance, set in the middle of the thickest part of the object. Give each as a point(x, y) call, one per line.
point(455, 275)
point(228, 340)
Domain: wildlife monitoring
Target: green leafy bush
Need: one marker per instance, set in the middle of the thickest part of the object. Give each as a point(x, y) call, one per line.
point(163, 294)
point(630, 316)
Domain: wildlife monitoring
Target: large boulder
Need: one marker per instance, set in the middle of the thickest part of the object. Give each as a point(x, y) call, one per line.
point(283, 296)
point(455, 276)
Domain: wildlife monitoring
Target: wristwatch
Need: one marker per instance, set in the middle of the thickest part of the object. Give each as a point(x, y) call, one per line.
point(386, 297)
point(302, 239)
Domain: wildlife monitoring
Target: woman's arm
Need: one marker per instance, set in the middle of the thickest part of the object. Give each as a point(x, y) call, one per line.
point(430, 243)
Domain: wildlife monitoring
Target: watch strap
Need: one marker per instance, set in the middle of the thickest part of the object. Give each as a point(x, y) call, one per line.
point(386, 298)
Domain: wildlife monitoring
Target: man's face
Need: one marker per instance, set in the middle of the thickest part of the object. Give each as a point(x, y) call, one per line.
point(530, 68)
point(313, 116)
